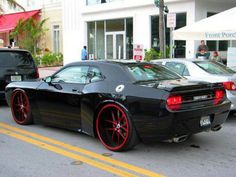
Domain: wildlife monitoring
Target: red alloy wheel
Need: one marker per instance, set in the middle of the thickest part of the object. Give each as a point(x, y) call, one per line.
point(113, 127)
point(20, 107)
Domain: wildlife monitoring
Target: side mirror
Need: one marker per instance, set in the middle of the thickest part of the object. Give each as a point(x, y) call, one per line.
point(48, 79)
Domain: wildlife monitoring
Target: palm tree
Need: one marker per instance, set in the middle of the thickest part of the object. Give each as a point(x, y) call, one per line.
point(28, 33)
point(11, 3)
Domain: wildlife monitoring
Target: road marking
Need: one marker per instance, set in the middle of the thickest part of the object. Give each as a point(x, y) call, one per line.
point(84, 151)
point(68, 154)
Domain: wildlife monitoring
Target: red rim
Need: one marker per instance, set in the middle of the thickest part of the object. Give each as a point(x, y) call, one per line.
point(112, 127)
point(20, 106)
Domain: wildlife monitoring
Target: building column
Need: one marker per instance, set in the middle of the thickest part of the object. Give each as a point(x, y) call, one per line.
point(73, 30)
point(142, 30)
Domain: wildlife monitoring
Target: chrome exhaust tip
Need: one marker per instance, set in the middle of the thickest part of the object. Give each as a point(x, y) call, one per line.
point(216, 128)
point(180, 139)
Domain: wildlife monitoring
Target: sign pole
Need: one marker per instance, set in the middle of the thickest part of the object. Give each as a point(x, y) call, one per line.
point(171, 42)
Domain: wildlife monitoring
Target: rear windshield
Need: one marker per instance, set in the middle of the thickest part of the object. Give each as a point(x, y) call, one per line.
point(214, 67)
point(148, 72)
point(14, 58)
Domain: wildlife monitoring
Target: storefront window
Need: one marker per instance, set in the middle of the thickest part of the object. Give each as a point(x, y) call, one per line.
point(91, 39)
point(115, 25)
point(56, 38)
point(110, 39)
point(129, 38)
point(100, 40)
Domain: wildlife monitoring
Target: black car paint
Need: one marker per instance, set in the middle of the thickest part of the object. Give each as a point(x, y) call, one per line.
point(75, 106)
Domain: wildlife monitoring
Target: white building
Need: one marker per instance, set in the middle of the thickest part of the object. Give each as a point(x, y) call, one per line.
point(110, 27)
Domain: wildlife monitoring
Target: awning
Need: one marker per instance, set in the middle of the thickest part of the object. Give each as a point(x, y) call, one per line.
point(9, 21)
point(221, 26)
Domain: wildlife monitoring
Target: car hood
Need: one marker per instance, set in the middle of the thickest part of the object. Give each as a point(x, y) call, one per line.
point(32, 84)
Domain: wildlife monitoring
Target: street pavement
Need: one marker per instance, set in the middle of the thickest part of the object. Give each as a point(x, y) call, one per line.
point(42, 151)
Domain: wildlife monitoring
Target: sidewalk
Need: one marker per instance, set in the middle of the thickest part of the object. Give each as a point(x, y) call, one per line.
point(48, 71)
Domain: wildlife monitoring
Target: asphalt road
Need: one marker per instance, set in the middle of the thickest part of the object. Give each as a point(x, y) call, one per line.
point(41, 151)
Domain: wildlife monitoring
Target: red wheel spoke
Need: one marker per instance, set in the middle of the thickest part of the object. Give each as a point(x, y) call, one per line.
point(112, 122)
point(126, 130)
point(121, 118)
point(122, 135)
point(118, 138)
point(110, 129)
point(21, 98)
point(18, 100)
point(112, 136)
point(113, 116)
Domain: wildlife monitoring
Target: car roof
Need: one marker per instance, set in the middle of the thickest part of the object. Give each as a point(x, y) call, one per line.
point(116, 62)
point(112, 69)
point(12, 50)
point(179, 60)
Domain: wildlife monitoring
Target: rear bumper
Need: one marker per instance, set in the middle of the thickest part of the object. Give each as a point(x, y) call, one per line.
point(182, 123)
point(232, 99)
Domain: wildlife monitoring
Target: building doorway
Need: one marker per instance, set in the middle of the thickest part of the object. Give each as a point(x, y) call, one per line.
point(115, 47)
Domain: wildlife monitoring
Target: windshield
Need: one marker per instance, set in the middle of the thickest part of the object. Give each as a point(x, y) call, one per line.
point(15, 58)
point(151, 72)
point(214, 67)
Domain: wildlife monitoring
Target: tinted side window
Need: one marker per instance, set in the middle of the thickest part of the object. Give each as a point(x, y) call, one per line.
point(15, 58)
point(74, 74)
point(178, 68)
point(147, 72)
point(95, 74)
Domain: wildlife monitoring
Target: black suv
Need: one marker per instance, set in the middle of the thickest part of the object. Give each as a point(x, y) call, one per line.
point(15, 65)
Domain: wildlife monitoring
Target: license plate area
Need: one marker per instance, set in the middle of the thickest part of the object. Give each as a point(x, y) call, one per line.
point(205, 121)
point(15, 78)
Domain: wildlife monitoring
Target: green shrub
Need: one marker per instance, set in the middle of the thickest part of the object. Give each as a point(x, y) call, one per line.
point(49, 59)
point(151, 54)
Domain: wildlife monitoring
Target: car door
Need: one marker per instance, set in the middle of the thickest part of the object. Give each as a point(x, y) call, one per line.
point(59, 100)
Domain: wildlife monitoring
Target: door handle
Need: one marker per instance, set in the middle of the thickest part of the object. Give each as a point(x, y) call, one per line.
point(79, 92)
point(76, 90)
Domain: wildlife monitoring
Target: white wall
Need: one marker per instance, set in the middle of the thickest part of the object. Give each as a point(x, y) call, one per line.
point(77, 14)
point(140, 10)
point(72, 30)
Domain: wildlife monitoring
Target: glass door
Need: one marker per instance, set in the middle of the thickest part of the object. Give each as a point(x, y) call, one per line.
point(115, 45)
point(109, 46)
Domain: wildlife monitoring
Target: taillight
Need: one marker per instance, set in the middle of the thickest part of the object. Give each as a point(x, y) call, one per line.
point(174, 102)
point(219, 95)
point(229, 85)
point(36, 72)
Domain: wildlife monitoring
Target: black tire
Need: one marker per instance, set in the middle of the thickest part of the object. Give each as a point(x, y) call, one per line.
point(20, 107)
point(114, 128)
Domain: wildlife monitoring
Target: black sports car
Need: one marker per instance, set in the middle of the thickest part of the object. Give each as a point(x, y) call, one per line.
point(120, 102)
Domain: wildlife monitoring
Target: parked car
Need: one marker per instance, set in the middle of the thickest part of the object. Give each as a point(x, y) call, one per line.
point(204, 70)
point(15, 65)
point(233, 68)
point(121, 103)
